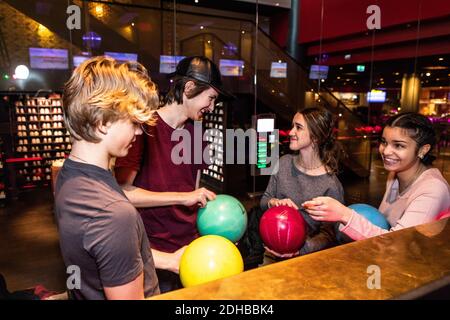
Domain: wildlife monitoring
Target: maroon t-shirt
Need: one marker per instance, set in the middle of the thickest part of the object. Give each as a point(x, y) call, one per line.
point(171, 227)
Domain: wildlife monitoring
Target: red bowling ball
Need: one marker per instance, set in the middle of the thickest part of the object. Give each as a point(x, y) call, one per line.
point(444, 214)
point(283, 229)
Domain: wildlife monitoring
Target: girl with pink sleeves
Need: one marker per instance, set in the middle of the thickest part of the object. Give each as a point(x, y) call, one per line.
point(415, 192)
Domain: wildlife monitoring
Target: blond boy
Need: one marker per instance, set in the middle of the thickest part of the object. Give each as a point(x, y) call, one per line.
point(101, 233)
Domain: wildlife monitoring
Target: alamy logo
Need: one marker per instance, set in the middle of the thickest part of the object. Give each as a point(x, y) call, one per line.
point(74, 280)
point(240, 147)
point(374, 279)
point(74, 19)
point(374, 20)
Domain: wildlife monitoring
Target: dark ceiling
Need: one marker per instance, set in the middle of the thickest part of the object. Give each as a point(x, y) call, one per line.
point(433, 71)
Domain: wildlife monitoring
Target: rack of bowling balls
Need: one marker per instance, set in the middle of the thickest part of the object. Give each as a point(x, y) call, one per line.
point(223, 222)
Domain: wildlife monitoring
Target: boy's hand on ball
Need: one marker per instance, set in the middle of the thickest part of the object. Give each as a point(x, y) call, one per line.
point(200, 196)
point(176, 257)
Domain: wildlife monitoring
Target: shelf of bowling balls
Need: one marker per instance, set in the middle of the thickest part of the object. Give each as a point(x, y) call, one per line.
point(45, 143)
point(38, 114)
point(41, 136)
point(42, 150)
point(41, 173)
point(40, 129)
point(40, 121)
point(215, 171)
point(47, 159)
point(35, 166)
point(218, 178)
point(36, 184)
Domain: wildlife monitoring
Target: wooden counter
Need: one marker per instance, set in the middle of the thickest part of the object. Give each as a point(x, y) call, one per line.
point(412, 262)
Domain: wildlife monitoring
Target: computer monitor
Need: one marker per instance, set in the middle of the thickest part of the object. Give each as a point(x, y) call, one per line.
point(318, 72)
point(265, 125)
point(376, 96)
point(47, 58)
point(231, 68)
point(168, 64)
point(122, 56)
point(278, 70)
point(77, 60)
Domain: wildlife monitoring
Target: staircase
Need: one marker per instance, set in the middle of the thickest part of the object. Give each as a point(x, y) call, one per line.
point(286, 96)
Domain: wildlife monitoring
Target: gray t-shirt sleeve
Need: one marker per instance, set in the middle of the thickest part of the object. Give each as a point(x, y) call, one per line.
point(112, 238)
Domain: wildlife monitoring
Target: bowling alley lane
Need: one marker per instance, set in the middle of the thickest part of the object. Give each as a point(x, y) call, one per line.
point(406, 264)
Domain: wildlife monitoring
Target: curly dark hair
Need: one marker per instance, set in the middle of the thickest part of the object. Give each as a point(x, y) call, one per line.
point(321, 128)
point(419, 128)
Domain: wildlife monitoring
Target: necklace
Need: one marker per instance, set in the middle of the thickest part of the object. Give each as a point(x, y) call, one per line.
point(414, 178)
point(72, 155)
point(307, 168)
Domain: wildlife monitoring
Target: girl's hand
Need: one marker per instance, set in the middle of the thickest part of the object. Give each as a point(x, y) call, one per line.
point(282, 202)
point(284, 255)
point(327, 209)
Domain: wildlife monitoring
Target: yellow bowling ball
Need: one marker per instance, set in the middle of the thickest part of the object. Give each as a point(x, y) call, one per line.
point(209, 258)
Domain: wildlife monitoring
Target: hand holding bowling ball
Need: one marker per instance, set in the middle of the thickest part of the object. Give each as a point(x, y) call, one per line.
point(283, 230)
point(282, 202)
point(224, 216)
point(197, 197)
point(174, 260)
point(327, 209)
point(282, 255)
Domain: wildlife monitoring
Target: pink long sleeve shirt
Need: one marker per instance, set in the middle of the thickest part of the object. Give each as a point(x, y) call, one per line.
point(421, 203)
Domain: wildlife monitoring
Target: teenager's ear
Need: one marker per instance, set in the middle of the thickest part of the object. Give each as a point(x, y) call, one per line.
point(103, 128)
point(424, 150)
point(188, 87)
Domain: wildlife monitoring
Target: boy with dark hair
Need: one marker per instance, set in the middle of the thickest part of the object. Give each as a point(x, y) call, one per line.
point(149, 170)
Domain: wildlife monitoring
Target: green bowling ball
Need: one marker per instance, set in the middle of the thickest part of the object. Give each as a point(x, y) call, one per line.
point(224, 216)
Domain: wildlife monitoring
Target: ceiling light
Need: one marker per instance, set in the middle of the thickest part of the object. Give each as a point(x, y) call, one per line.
point(436, 68)
point(99, 10)
point(21, 72)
